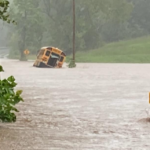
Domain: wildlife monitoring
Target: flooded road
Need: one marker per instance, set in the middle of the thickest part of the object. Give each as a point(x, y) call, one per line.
point(91, 107)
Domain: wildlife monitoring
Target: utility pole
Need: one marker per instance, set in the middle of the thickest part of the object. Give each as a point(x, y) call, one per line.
point(74, 30)
point(72, 62)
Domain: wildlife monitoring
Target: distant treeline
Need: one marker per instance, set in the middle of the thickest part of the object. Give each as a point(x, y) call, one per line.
point(49, 23)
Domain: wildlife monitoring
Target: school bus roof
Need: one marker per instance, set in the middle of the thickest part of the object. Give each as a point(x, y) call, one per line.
point(47, 47)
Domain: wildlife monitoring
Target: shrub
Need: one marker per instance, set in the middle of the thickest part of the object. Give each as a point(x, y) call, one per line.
point(72, 64)
point(8, 99)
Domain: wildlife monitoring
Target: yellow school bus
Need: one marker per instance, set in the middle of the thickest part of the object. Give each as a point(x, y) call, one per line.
point(50, 57)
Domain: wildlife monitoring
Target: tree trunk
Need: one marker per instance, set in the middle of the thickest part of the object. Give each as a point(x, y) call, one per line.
point(22, 42)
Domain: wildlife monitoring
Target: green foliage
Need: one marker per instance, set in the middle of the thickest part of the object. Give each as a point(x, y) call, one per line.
point(4, 5)
point(3, 10)
point(8, 99)
point(1, 69)
point(72, 64)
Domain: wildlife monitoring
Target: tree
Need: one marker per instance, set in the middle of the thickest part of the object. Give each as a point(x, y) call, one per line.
point(58, 22)
point(91, 16)
point(49, 22)
point(140, 19)
point(29, 29)
point(4, 5)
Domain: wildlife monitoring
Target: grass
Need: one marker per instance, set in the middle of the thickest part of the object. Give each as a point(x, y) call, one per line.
point(31, 57)
point(129, 51)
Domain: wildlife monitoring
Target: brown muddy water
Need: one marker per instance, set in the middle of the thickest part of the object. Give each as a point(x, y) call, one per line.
point(91, 107)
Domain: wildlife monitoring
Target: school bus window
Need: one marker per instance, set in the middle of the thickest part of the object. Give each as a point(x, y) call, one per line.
point(47, 53)
point(41, 54)
point(61, 59)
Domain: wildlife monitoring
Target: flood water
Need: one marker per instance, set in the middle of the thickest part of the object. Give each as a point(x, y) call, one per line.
point(91, 107)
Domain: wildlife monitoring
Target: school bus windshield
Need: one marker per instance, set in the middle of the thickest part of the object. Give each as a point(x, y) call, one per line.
point(55, 55)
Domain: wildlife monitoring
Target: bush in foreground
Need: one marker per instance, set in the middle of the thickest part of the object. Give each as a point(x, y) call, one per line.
point(8, 99)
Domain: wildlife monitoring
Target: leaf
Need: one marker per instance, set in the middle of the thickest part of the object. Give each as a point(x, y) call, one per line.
point(11, 79)
point(1, 69)
point(19, 92)
point(15, 109)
